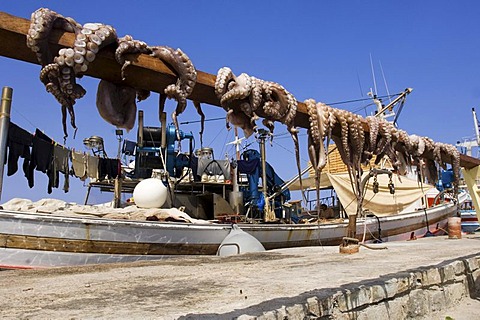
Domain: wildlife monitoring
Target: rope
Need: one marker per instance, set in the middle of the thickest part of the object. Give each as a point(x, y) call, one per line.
point(364, 245)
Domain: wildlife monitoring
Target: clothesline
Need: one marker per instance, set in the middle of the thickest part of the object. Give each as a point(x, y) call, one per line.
point(41, 153)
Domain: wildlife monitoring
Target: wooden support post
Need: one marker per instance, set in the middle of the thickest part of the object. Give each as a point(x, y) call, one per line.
point(352, 226)
point(350, 244)
point(117, 200)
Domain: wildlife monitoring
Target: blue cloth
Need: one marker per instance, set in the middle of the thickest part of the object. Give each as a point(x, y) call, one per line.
point(248, 166)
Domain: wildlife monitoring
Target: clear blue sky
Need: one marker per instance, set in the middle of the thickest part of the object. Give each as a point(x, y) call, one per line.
point(315, 49)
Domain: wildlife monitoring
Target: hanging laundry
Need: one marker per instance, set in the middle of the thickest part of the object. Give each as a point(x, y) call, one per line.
point(60, 164)
point(248, 166)
point(19, 142)
point(92, 167)
point(108, 168)
point(41, 156)
point(79, 165)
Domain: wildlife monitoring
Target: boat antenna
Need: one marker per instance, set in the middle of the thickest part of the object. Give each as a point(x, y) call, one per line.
point(475, 125)
point(359, 84)
point(385, 81)
point(373, 75)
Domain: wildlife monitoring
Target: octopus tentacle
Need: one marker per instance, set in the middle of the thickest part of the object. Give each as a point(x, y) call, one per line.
point(59, 74)
point(256, 94)
point(320, 130)
point(279, 104)
point(187, 77)
point(42, 22)
point(238, 89)
point(341, 116)
point(224, 76)
point(373, 134)
point(127, 45)
point(198, 107)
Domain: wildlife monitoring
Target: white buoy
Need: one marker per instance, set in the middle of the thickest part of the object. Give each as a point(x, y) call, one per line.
point(150, 193)
point(237, 242)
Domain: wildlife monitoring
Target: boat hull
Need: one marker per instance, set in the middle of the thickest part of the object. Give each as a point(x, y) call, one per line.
point(31, 240)
point(469, 221)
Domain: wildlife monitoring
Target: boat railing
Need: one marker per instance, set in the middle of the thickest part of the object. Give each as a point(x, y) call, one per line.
point(444, 196)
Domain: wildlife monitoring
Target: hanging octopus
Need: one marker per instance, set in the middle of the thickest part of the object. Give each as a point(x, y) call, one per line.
point(180, 91)
point(116, 103)
point(321, 120)
point(243, 96)
point(240, 97)
point(59, 72)
point(383, 139)
point(187, 78)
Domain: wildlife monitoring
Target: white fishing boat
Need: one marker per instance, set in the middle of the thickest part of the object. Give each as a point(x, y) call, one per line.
point(55, 233)
point(37, 235)
point(36, 240)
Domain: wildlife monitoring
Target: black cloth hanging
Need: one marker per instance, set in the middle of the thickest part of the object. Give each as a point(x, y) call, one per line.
point(19, 142)
point(108, 168)
point(41, 156)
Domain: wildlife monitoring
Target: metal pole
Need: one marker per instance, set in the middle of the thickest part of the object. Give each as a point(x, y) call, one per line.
point(268, 213)
point(7, 93)
point(235, 196)
point(140, 129)
point(237, 157)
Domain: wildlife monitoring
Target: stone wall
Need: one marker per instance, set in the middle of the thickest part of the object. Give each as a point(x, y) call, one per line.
point(409, 295)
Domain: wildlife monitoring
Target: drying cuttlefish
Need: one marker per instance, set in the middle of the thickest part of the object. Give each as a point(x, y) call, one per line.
point(60, 70)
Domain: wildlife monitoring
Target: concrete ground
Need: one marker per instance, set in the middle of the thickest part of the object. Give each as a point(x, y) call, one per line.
point(467, 309)
point(209, 287)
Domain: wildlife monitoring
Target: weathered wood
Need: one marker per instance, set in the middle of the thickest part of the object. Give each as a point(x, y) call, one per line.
point(145, 72)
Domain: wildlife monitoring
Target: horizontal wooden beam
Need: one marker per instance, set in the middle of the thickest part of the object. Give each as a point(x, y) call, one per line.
point(145, 72)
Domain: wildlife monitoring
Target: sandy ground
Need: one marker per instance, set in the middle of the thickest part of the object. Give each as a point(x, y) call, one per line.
point(218, 287)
